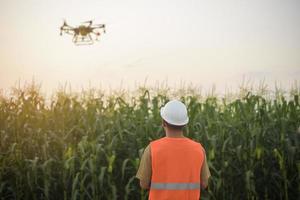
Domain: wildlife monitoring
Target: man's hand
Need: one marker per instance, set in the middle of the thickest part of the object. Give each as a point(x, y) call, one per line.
point(204, 185)
point(145, 185)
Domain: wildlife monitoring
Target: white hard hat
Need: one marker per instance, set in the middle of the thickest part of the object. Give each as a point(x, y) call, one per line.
point(175, 113)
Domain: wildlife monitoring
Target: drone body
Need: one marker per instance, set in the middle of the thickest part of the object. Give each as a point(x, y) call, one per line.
point(85, 34)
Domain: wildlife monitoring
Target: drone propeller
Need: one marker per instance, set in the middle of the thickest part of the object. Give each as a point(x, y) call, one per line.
point(88, 22)
point(100, 25)
point(65, 22)
point(62, 27)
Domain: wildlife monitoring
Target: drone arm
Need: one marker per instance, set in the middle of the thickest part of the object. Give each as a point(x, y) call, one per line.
point(70, 33)
point(67, 30)
point(98, 26)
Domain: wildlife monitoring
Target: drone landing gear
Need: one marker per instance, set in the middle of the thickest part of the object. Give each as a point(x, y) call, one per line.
point(83, 40)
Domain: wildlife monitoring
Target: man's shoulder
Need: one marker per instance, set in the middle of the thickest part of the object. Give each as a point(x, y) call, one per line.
point(156, 141)
point(147, 148)
point(197, 145)
point(194, 142)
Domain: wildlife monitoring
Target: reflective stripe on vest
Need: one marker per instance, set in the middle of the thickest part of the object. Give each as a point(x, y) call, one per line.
point(175, 186)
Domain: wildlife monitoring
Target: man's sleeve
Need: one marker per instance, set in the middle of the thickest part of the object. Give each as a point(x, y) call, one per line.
point(205, 173)
point(145, 171)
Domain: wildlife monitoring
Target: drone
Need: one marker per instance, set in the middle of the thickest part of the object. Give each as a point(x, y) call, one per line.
point(84, 34)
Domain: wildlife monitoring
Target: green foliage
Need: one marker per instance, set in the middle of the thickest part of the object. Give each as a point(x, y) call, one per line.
point(89, 146)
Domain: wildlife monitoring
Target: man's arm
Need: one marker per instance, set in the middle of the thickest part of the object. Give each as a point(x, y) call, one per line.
point(205, 173)
point(145, 169)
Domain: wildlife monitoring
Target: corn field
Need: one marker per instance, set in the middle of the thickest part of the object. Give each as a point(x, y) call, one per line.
point(88, 145)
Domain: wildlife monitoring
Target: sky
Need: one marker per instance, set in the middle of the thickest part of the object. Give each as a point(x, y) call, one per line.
point(201, 42)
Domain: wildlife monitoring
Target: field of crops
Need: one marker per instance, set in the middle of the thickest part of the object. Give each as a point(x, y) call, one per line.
point(87, 145)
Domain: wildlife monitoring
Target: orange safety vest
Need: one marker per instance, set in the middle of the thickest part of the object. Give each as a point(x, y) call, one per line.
point(176, 166)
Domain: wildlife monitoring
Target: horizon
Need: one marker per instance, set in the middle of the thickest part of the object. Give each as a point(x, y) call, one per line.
point(245, 86)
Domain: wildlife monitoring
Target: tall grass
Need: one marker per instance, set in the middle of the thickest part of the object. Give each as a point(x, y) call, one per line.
point(88, 146)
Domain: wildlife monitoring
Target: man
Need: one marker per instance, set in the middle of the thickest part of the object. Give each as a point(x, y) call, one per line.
point(174, 167)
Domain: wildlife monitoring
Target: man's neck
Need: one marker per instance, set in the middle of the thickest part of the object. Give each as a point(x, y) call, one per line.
point(174, 134)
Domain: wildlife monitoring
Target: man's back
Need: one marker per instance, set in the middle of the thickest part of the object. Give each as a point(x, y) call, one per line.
point(176, 166)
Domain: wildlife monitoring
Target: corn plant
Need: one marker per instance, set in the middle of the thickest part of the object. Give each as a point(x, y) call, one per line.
point(88, 145)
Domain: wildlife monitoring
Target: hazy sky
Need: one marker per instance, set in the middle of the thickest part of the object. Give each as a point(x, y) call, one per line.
point(202, 42)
